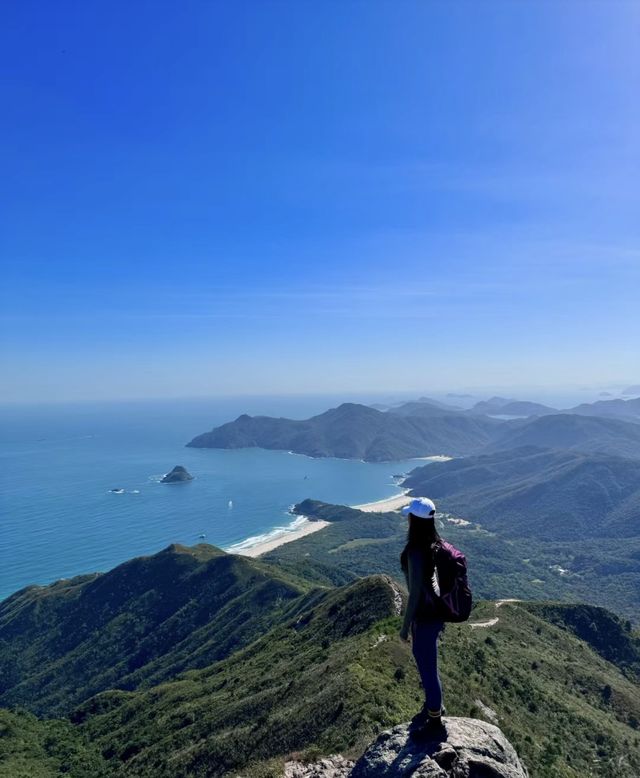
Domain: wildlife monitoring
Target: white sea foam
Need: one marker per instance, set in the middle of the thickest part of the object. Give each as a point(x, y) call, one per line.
point(276, 533)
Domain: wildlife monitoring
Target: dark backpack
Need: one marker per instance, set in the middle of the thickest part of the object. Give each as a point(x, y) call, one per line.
point(449, 594)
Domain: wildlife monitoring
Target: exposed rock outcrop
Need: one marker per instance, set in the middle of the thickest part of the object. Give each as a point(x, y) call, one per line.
point(329, 767)
point(176, 476)
point(467, 748)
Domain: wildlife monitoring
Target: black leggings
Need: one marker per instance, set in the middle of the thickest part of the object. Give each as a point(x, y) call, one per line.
point(425, 651)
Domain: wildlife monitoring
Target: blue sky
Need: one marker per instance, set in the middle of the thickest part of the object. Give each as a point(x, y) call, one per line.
point(243, 197)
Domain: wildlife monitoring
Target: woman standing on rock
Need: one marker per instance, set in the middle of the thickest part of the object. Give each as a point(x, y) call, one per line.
point(438, 591)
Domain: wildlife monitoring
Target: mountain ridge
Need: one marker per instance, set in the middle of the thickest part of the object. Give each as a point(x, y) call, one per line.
point(353, 431)
point(143, 620)
point(546, 493)
point(328, 673)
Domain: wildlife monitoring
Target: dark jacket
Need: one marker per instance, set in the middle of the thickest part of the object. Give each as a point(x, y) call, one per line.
point(419, 566)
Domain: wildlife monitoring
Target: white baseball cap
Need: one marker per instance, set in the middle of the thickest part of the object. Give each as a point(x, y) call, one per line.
point(422, 507)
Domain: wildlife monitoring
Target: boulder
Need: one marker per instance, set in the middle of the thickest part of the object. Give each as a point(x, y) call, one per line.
point(465, 748)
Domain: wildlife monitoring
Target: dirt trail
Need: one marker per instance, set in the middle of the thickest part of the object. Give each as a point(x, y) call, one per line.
point(495, 619)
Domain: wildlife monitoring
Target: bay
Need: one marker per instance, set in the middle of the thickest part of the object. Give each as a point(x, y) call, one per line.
point(58, 465)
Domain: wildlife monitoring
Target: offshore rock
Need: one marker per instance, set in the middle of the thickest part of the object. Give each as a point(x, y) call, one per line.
point(465, 748)
point(176, 476)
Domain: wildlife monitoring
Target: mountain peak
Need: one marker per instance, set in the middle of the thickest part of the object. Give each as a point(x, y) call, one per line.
point(351, 409)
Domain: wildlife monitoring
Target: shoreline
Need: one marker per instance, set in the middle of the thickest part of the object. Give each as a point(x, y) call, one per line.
point(386, 505)
point(257, 545)
point(301, 526)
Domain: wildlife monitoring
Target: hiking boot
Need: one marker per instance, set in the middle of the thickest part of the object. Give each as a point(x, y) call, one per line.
point(432, 729)
point(423, 715)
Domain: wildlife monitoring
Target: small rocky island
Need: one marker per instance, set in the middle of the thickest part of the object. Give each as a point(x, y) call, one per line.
point(178, 475)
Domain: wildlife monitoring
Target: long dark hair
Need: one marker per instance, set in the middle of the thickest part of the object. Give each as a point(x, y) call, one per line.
point(423, 536)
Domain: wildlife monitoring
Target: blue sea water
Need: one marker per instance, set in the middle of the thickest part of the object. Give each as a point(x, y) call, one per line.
point(59, 463)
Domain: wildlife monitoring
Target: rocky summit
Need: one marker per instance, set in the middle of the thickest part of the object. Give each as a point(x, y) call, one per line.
point(466, 747)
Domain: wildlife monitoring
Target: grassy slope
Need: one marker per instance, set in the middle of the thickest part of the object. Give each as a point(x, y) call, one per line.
point(331, 681)
point(144, 621)
point(302, 684)
point(562, 679)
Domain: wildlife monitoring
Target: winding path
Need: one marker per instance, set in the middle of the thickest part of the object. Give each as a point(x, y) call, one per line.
point(495, 619)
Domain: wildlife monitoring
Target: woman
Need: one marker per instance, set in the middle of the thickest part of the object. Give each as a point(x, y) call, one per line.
point(418, 561)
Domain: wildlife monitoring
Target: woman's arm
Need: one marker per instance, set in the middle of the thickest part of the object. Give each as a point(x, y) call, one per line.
point(415, 578)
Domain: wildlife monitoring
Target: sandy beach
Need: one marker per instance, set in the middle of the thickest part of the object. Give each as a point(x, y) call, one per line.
point(254, 547)
point(388, 504)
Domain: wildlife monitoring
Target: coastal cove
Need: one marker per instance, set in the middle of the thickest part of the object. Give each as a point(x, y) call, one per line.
point(302, 526)
point(61, 518)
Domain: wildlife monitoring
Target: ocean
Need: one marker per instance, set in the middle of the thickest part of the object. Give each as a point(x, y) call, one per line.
point(59, 464)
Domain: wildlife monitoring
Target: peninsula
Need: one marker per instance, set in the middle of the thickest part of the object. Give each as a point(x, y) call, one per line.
point(353, 431)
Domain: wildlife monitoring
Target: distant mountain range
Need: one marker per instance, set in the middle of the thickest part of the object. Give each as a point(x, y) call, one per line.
point(354, 431)
point(420, 403)
point(499, 406)
point(504, 407)
point(592, 434)
point(416, 429)
point(324, 672)
point(624, 409)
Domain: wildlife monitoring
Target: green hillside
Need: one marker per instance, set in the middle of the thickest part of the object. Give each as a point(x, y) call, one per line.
point(144, 621)
point(300, 685)
point(331, 679)
point(598, 571)
point(323, 672)
point(541, 494)
point(31, 748)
